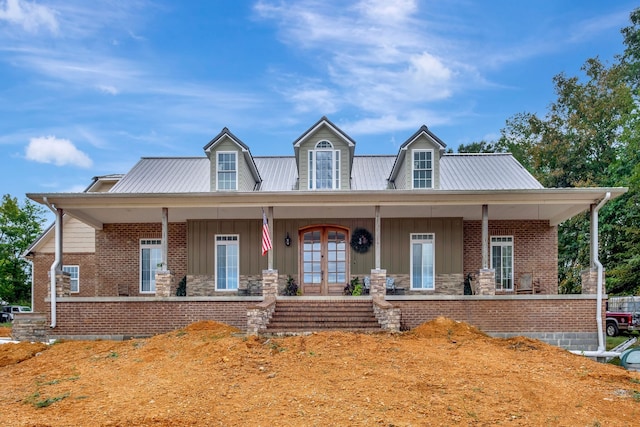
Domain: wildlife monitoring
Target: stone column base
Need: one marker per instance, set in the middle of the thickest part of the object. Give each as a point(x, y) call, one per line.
point(269, 284)
point(485, 282)
point(164, 279)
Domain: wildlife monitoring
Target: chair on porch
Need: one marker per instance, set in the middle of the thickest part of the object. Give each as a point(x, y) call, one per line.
point(391, 286)
point(526, 284)
point(366, 280)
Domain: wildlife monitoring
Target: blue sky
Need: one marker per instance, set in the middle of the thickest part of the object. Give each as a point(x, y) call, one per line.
point(89, 87)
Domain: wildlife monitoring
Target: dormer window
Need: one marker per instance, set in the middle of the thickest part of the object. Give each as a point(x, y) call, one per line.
point(422, 169)
point(324, 167)
point(227, 170)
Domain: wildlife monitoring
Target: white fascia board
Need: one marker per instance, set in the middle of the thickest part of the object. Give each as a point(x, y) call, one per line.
point(316, 127)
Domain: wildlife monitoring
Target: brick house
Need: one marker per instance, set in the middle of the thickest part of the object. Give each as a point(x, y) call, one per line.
point(415, 224)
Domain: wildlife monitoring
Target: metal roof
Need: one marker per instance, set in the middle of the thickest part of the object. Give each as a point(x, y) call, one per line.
point(484, 172)
point(278, 173)
point(166, 175)
point(369, 173)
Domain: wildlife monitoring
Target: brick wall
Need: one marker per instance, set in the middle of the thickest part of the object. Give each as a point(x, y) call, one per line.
point(129, 317)
point(535, 246)
point(564, 320)
point(118, 254)
point(505, 314)
point(42, 265)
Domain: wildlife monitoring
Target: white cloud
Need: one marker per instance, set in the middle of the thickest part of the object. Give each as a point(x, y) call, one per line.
point(31, 16)
point(314, 100)
point(396, 11)
point(381, 57)
point(61, 152)
point(111, 90)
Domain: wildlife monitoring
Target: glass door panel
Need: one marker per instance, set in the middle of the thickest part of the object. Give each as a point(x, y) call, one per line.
point(324, 261)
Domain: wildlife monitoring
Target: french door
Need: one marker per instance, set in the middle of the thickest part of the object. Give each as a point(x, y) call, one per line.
point(324, 264)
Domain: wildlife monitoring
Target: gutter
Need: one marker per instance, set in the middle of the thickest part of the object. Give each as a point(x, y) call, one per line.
point(595, 244)
point(56, 262)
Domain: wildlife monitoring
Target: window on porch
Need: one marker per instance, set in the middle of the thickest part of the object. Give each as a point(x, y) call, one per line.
point(227, 262)
point(502, 261)
point(150, 259)
point(422, 261)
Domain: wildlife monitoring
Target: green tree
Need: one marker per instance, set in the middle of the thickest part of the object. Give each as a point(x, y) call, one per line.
point(19, 227)
point(589, 137)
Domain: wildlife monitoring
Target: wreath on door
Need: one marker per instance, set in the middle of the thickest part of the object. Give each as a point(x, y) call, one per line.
point(361, 240)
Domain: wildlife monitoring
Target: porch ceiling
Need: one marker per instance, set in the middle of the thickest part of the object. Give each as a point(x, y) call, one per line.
point(553, 205)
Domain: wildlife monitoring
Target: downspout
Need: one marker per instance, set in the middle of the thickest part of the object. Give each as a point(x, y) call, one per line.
point(56, 262)
point(596, 261)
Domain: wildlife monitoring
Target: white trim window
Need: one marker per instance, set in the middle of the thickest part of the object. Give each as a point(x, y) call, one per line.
point(324, 167)
point(74, 272)
point(227, 170)
point(150, 259)
point(227, 263)
point(502, 261)
point(422, 261)
point(422, 168)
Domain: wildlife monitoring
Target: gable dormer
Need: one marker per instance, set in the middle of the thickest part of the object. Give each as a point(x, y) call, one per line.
point(417, 165)
point(324, 157)
point(231, 164)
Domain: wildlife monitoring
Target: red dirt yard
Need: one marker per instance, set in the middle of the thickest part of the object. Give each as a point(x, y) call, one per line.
point(442, 373)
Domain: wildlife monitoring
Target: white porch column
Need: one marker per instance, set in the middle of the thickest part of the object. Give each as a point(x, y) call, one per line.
point(485, 237)
point(376, 240)
point(270, 224)
point(165, 239)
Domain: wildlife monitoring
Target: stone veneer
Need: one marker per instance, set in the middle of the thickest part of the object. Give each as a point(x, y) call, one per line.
point(445, 284)
point(590, 281)
point(258, 316)
point(63, 284)
point(204, 285)
point(164, 280)
point(31, 327)
point(387, 315)
point(485, 283)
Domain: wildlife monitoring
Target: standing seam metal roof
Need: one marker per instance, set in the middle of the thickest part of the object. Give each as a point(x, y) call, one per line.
point(369, 173)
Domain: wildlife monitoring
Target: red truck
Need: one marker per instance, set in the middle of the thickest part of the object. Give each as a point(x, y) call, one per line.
point(622, 321)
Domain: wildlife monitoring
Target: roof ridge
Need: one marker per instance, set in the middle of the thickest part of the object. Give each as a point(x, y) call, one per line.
point(476, 154)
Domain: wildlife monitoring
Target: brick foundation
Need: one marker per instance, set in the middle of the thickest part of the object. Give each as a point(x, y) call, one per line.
point(565, 320)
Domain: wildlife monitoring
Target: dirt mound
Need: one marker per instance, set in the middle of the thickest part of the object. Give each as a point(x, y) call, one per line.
point(210, 325)
point(442, 327)
point(12, 353)
point(442, 373)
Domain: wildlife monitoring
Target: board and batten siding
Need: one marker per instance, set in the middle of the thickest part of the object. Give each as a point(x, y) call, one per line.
point(338, 144)
point(395, 242)
point(77, 237)
point(201, 244)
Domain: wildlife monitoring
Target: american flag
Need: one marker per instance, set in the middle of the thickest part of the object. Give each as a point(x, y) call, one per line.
point(266, 239)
